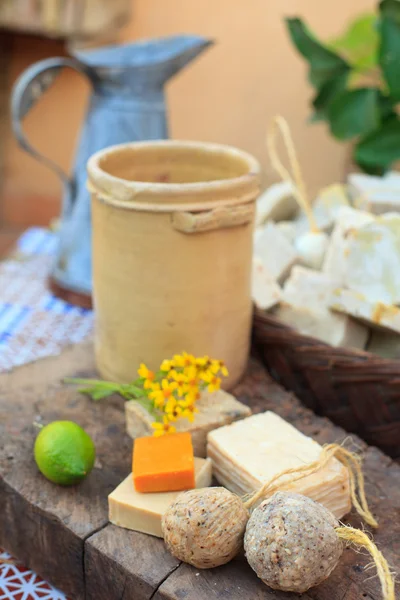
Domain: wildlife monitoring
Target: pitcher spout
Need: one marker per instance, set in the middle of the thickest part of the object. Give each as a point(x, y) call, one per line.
point(163, 57)
point(183, 50)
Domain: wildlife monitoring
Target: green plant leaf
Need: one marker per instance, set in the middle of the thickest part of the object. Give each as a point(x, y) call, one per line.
point(327, 94)
point(387, 107)
point(381, 148)
point(389, 54)
point(354, 112)
point(324, 63)
point(390, 9)
point(359, 44)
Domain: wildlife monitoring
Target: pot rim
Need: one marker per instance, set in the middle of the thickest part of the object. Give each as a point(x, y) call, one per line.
point(161, 196)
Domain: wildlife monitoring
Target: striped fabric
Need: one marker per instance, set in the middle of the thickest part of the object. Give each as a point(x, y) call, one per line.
point(33, 323)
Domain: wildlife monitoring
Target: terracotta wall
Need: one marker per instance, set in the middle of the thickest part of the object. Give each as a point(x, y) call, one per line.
point(228, 95)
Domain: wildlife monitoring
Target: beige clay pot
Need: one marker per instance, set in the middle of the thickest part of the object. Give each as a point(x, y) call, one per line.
point(172, 248)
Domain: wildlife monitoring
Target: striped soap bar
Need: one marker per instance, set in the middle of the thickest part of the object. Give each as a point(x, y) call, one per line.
point(251, 452)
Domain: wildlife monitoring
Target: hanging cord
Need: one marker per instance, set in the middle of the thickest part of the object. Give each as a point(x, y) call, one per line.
point(350, 460)
point(361, 540)
point(297, 181)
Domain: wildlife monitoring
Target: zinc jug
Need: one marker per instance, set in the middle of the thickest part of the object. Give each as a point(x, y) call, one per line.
point(127, 104)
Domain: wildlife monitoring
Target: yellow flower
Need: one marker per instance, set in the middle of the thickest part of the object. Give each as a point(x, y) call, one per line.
point(219, 366)
point(203, 362)
point(184, 360)
point(189, 409)
point(147, 375)
point(172, 409)
point(192, 396)
point(181, 381)
point(161, 394)
point(214, 382)
point(163, 428)
point(167, 365)
point(191, 376)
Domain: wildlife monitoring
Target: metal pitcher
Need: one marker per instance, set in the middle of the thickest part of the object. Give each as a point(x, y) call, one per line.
point(127, 104)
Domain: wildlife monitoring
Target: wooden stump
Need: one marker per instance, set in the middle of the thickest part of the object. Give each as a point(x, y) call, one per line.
point(64, 534)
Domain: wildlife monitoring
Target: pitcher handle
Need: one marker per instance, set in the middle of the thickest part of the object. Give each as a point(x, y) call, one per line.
point(28, 89)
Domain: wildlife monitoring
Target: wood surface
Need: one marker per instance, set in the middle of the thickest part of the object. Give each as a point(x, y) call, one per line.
point(64, 534)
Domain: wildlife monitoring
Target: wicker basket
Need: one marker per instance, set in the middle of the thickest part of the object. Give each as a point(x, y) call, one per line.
point(356, 390)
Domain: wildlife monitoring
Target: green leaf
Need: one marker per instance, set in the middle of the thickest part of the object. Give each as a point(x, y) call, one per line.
point(354, 112)
point(359, 44)
point(327, 94)
point(324, 64)
point(387, 107)
point(370, 169)
point(381, 148)
point(389, 54)
point(96, 393)
point(390, 9)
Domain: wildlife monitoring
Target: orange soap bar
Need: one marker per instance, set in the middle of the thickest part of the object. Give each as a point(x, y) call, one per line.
point(163, 464)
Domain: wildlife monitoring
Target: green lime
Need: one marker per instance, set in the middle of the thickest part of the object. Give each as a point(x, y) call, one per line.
point(64, 452)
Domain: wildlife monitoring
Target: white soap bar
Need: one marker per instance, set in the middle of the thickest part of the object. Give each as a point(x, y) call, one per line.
point(373, 259)
point(385, 344)
point(307, 294)
point(289, 230)
point(323, 325)
point(276, 252)
point(375, 314)
point(265, 292)
point(276, 203)
point(309, 288)
point(375, 194)
point(142, 512)
point(257, 234)
point(251, 452)
point(348, 219)
point(325, 209)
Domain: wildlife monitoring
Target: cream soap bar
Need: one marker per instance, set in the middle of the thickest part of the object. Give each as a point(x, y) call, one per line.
point(142, 512)
point(248, 453)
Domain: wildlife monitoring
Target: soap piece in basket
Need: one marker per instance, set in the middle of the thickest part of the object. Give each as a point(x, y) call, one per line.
point(163, 464)
point(375, 314)
point(142, 512)
point(324, 325)
point(289, 230)
point(215, 409)
point(251, 452)
point(309, 288)
point(373, 258)
point(276, 252)
point(375, 194)
point(325, 209)
point(348, 219)
point(265, 292)
point(385, 344)
point(312, 290)
point(277, 203)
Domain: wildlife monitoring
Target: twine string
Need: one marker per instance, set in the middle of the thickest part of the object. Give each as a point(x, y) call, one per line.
point(297, 180)
point(361, 540)
point(356, 478)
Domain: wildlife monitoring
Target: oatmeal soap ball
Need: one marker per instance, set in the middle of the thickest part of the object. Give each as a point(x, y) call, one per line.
point(291, 542)
point(205, 527)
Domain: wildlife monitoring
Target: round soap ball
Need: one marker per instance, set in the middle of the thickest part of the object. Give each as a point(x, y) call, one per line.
point(291, 542)
point(311, 248)
point(205, 527)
